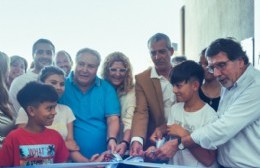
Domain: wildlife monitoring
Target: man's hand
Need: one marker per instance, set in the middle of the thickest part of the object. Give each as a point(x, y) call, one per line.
point(177, 130)
point(158, 133)
point(136, 149)
point(149, 153)
point(167, 151)
point(111, 146)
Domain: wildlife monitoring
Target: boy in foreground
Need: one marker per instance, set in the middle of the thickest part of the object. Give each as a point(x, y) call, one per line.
point(189, 113)
point(35, 144)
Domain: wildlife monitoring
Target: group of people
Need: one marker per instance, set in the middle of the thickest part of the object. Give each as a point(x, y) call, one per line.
point(194, 114)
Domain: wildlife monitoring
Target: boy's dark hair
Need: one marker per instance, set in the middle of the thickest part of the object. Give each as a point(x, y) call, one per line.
point(48, 71)
point(232, 48)
point(35, 93)
point(187, 71)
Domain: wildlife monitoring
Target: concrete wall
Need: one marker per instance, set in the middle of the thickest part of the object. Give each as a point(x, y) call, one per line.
point(207, 20)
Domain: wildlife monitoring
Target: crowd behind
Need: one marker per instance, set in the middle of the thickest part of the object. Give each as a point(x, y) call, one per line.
point(178, 111)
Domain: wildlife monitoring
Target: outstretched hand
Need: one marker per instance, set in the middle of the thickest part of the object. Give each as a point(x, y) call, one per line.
point(97, 158)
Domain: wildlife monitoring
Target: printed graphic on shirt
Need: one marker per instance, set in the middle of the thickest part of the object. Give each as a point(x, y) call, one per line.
point(36, 154)
point(188, 127)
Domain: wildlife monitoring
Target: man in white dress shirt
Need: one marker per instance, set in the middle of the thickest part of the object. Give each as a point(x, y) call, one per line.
point(236, 132)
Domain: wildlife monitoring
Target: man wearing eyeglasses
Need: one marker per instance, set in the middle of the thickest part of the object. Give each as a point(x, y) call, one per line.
point(236, 132)
point(43, 51)
point(154, 96)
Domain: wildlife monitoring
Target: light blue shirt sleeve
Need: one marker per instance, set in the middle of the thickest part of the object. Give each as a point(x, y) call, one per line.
point(112, 104)
point(239, 110)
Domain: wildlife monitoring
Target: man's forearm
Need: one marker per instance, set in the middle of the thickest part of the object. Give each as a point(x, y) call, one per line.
point(113, 126)
point(188, 142)
point(206, 157)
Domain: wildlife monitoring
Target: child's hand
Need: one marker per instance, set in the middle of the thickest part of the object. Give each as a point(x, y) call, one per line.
point(97, 158)
point(107, 156)
point(71, 145)
point(177, 130)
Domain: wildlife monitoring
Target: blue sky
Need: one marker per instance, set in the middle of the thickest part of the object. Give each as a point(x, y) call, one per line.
point(104, 25)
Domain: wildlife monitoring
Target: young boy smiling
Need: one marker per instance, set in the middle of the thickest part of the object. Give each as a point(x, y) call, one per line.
point(35, 144)
point(189, 113)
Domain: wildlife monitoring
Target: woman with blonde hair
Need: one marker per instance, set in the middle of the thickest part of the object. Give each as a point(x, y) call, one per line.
point(118, 71)
point(6, 114)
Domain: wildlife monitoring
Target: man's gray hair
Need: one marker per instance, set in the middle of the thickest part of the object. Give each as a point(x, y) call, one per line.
point(89, 51)
point(157, 37)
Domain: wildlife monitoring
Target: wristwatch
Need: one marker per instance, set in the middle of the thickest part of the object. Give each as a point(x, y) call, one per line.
point(181, 146)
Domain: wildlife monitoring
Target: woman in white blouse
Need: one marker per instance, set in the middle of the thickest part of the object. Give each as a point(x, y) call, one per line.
point(118, 71)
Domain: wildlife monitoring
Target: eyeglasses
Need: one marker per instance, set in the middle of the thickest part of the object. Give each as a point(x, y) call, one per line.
point(161, 51)
point(120, 70)
point(220, 66)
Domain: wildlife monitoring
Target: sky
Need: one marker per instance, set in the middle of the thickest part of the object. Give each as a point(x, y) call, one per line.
point(103, 25)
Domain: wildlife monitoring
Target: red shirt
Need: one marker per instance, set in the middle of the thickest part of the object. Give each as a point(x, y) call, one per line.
point(21, 148)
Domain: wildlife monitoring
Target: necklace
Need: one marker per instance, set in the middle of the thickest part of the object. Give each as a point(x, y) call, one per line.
point(210, 101)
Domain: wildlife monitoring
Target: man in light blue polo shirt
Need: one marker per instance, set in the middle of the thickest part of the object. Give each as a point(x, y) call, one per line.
point(94, 103)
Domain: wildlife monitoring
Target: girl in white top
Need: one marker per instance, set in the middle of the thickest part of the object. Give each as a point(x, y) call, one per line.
point(63, 121)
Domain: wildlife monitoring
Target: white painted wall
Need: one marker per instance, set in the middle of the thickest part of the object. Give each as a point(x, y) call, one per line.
point(207, 20)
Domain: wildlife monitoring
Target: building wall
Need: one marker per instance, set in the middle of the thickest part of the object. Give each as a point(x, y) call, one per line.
point(207, 20)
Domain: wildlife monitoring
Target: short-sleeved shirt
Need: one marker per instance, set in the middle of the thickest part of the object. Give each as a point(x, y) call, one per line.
point(91, 110)
point(17, 85)
point(63, 117)
point(190, 121)
point(23, 148)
